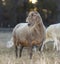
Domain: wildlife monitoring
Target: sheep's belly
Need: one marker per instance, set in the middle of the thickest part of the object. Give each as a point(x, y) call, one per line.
point(25, 44)
point(36, 42)
point(32, 43)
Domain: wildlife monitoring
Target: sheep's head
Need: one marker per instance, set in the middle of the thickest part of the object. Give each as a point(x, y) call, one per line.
point(33, 18)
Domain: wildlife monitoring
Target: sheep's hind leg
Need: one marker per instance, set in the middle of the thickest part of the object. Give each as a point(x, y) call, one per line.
point(20, 53)
point(16, 51)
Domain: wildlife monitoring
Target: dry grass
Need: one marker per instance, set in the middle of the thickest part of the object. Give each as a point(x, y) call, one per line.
point(7, 56)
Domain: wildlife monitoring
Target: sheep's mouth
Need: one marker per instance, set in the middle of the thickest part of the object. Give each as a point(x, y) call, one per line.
point(29, 24)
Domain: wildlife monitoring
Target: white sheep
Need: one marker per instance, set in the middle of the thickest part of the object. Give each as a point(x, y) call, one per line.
point(53, 34)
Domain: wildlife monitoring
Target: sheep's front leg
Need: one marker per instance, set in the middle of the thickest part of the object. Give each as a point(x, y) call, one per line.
point(44, 42)
point(20, 53)
point(16, 51)
point(40, 46)
point(31, 52)
point(55, 43)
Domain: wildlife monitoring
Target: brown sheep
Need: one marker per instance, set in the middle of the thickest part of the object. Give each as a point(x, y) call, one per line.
point(32, 34)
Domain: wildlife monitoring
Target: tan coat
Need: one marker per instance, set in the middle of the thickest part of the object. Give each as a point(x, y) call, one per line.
point(30, 35)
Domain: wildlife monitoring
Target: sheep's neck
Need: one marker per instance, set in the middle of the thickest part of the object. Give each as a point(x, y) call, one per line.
point(37, 29)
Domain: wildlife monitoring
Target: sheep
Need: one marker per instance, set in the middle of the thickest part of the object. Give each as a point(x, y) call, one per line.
point(32, 34)
point(53, 34)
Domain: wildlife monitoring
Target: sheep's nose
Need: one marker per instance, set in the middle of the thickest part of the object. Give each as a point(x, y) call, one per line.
point(29, 24)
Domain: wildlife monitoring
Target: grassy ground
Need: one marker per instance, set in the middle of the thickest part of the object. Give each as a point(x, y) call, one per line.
point(7, 56)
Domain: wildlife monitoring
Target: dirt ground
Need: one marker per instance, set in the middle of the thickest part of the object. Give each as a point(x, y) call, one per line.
point(7, 55)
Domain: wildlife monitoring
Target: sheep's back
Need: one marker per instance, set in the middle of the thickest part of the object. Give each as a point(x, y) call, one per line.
point(53, 30)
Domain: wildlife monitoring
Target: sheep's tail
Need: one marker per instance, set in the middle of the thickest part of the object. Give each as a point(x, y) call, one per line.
point(10, 43)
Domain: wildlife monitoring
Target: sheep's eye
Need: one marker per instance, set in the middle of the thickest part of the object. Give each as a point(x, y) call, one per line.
point(32, 14)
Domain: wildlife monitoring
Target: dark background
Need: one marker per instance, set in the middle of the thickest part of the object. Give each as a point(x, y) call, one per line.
point(13, 12)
